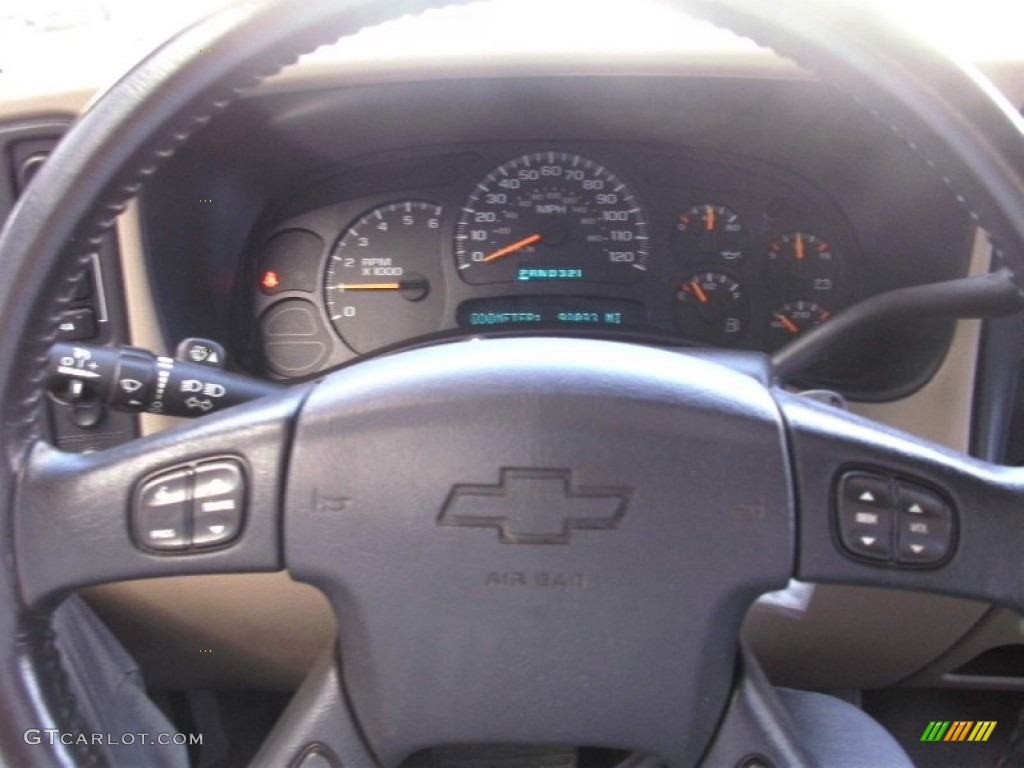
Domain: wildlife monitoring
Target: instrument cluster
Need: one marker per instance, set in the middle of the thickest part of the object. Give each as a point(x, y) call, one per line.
point(607, 239)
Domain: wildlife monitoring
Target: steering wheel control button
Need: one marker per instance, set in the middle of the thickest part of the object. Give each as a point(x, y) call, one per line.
point(918, 502)
point(192, 507)
point(217, 503)
point(77, 325)
point(895, 521)
point(868, 534)
point(202, 352)
point(925, 527)
point(869, 490)
point(160, 514)
point(866, 515)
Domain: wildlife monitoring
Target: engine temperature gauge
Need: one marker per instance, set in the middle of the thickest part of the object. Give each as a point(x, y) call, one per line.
point(711, 307)
point(793, 319)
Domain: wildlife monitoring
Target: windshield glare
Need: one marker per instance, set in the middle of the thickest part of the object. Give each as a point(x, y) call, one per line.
point(58, 45)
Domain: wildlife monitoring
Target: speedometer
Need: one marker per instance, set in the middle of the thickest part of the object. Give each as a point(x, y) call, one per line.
point(551, 216)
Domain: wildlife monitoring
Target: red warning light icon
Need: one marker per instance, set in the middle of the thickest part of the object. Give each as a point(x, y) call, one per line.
point(270, 280)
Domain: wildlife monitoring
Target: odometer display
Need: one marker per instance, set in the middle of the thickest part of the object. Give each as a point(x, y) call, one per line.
point(551, 216)
point(551, 312)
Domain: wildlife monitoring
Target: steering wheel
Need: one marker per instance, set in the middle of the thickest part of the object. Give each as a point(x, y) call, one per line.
point(523, 539)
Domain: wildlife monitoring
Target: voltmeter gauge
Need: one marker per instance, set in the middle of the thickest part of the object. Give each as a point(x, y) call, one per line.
point(807, 262)
point(711, 307)
point(380, 274)
point(711, 233)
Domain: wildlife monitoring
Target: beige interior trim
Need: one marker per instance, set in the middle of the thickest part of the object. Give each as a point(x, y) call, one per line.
point(143, 324)
point(941, 410)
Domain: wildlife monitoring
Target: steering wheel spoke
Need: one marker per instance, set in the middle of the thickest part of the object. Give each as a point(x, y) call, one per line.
point(880, 507)
point(200, 498)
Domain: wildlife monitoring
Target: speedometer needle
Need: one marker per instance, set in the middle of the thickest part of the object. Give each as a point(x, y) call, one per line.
point(518, 245)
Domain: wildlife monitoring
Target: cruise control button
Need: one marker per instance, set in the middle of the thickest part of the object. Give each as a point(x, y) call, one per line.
point(160, 512)
point(218, 503)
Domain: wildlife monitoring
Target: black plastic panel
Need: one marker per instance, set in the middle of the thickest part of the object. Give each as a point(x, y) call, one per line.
point(837, 173)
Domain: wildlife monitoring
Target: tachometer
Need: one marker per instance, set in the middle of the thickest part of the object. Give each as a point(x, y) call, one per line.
point(377, 284)
point(551, 216)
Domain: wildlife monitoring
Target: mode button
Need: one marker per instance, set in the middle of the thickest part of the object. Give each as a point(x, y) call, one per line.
point(217, 503)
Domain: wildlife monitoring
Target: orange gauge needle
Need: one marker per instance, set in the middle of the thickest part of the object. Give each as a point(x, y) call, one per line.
point(798, 247)
point(518, 245)
point(710, 222)
point(699, 292)
point(369, 286)
point(788, 324)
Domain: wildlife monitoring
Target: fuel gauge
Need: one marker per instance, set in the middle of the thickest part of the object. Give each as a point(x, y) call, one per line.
point(711, 307)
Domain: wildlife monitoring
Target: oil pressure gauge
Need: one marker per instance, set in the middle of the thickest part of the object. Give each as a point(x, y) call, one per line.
point(711, 232)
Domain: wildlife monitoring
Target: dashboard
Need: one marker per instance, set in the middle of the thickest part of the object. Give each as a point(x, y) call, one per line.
point(333, 219)
point(730, 213)
point(606, 239)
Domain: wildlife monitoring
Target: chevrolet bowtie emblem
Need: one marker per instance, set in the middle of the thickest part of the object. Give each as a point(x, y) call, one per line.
point(535, 506)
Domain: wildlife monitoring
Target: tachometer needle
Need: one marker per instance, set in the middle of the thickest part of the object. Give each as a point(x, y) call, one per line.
point(699, 292)
point(788, 324)
point(369, 286)
point(710, 221)
point(518, 245)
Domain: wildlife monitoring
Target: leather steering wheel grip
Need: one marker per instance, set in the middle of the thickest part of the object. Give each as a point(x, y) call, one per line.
point(942, 109)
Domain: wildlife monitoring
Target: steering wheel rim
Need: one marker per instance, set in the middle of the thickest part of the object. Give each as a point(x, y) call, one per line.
point(943, 110)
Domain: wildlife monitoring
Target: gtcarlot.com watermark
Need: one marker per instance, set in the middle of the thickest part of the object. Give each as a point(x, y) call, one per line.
point(53, 736)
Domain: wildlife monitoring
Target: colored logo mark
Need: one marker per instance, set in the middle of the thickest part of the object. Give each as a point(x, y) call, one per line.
point(958, 730)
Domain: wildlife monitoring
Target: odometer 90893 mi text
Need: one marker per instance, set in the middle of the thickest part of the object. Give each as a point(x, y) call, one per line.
point(551, 216)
